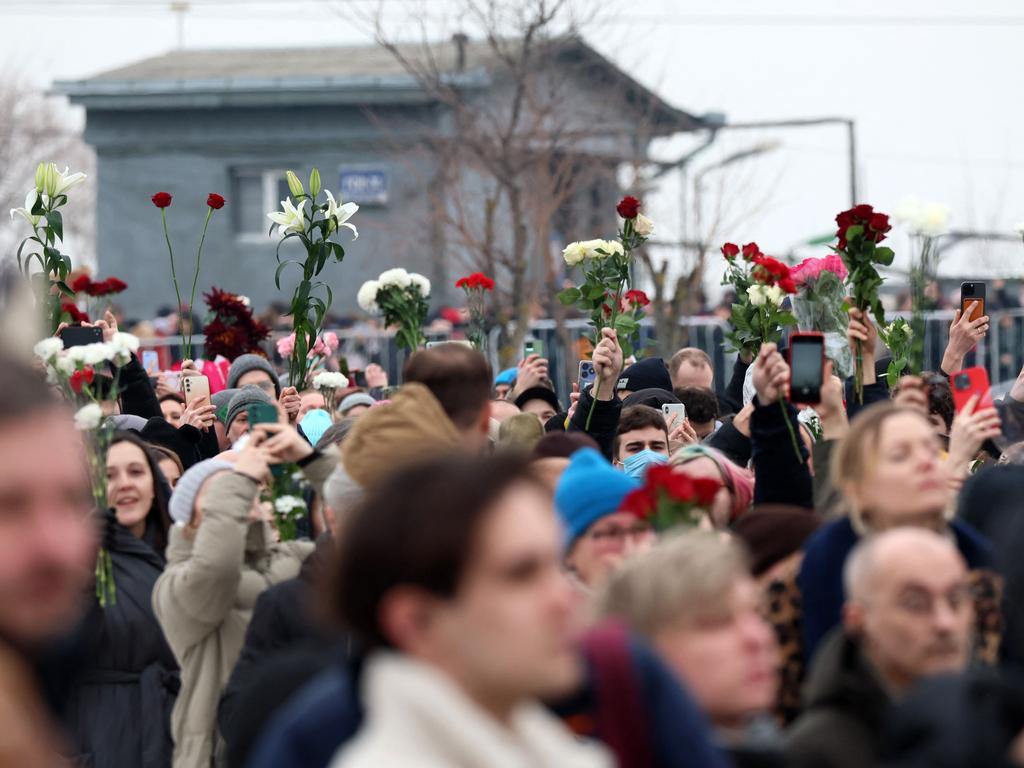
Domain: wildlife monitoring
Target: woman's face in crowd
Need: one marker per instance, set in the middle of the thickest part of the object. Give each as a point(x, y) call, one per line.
point(727, 656)
point(129, 485)
point(170, 470)
point(172, 410)
point(904, 483)
point(607, 543)
point(257, 378)
point(703, 467)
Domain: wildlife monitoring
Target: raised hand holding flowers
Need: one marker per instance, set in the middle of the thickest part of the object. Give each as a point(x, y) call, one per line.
point(476, 287)
point(214, 202)
point(860, 230)
point(313, 226)
point(402, 298)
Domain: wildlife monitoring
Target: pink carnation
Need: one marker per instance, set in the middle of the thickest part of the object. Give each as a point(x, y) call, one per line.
point(286, 346)
point(809, 270)
point(331, 340)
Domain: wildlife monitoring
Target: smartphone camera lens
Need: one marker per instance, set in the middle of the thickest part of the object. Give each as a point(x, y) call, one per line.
point(963, 381)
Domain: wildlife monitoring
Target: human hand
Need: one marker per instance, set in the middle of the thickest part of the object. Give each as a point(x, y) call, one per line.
point(964, 334)
point(188, 368)
point(291, 402)
point(971, 428)
point(741, 421)
point(533, 372)
point(284, 443)
point(108, 324)
point(163, 388)
point(574, 399)
point(376, 376)
point(834, 421)
point(771, 374)
point(680, 433)
point(1017, 390)
point(253, 460)
point(912, 392)
point(861, 330)
point(200, 413)
point(607, 359)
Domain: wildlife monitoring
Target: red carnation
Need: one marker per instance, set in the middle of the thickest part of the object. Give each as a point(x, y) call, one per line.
point(639, 298)
point(162, 199)
point(462, 282)
point(97, 289)
point(730, 251)
point(78, 378)
point(750, 250)
point(80, 283)
point(72, 310)
point(213, 200)
point(115, 285)
point(628, 207)
point(486, 283)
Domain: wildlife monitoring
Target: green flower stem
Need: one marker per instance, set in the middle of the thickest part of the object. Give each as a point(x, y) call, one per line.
point(789, 426)
point(174, 278)
point(195, 279)
point(858, 379)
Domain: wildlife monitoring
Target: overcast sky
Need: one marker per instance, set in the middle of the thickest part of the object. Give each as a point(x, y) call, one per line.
point(935, 87)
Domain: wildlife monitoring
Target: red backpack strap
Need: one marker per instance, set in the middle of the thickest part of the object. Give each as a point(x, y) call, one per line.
point(621, 718)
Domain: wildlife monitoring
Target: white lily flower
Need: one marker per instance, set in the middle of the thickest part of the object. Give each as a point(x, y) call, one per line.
point(574, 253)
point(420, 283)
point(64, 181)
point(88, 417)
point(26, 212)
point(367, 297)
point(340, 214)
point(397, 277)
point(290, 218)
point(47, 349)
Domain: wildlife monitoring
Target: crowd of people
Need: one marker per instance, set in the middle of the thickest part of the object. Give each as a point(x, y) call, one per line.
point(469, 585)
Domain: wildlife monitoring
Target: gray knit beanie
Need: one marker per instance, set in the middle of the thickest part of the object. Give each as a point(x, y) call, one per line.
point(184, 497)
point(242, 364)
point(356, 398)
point(221, 400)
point(245, 397)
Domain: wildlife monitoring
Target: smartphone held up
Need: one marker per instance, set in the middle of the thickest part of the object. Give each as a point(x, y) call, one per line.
point(807, 367)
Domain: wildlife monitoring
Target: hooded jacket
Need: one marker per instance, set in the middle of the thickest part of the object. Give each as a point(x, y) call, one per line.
point(846, 709)
point(205, 598)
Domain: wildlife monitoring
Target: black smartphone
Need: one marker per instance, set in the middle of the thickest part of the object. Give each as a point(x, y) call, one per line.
point(587, 374)
point(359, 377)
point(806, 367)
point(79, 336)
point(969, 294)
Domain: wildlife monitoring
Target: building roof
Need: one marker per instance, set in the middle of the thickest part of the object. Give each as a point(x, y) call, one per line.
point(339, 74)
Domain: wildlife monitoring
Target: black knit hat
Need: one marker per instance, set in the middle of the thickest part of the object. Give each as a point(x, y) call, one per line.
point(649, 373)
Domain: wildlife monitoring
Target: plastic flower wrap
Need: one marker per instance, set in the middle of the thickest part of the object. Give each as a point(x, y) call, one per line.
point(820, 305)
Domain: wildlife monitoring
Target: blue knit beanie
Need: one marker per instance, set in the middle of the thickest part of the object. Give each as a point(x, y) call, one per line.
point(590, 488)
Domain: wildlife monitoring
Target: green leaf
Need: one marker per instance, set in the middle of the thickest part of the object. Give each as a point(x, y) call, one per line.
point(280, 269)
point(785, 318)
point(569, 296)
point(884, 256)
point(594, 292)
point(63, 287)
point(56, 222)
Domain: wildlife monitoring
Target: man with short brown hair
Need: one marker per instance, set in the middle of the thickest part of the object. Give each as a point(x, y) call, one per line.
point(460, 379)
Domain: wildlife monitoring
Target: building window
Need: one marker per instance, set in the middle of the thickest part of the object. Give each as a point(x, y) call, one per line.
point(255, 193)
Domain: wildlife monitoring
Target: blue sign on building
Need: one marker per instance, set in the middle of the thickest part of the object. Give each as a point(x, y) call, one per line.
point(366, 186)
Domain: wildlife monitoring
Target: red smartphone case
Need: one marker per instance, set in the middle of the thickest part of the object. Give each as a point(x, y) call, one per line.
point(976, 382)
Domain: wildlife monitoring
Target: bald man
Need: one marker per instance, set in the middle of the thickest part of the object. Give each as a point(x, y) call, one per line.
point(908, 615)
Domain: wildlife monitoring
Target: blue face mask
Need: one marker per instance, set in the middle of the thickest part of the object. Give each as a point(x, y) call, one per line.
point(637, 464)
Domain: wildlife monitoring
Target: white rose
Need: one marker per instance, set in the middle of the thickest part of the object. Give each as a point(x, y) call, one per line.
point(643, 226)
point(774, 295)
point(421, 284)
point(47, 349)
point(758, 295)
point(612, 247)
point(574, 253)
point(88, 417)
point(397, 277)
point(367, 297)
point(590, 248)
point(330, 380)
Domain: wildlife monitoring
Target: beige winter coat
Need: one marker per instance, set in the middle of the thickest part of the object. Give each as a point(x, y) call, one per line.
point(205, 597)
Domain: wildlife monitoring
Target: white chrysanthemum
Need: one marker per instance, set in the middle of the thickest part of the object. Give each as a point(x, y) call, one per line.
point(47, 349)
point(65, 364)
point(287, 505)
point(94, 354)
point(367, 297)
point(643, 226)
point(933, 220)
point(421, 284)
point(397, 277)
point(124, 346)
point(574, 253)
point(88, 417)
point(758, 295)
point(330, 380)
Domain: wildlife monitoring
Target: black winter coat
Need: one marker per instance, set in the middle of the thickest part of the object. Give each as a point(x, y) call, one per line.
point(119, 713)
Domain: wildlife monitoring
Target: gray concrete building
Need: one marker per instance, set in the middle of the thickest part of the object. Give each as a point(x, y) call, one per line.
point(232, 121)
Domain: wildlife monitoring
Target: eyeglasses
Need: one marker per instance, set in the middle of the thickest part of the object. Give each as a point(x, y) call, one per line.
point(616, 533)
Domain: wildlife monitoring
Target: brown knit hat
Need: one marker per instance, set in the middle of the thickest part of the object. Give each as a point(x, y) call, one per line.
point(773, 532)
point(411, 427)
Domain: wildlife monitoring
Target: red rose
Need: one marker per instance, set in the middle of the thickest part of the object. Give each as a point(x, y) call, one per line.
point(78, 378)
point(679, 487)
point(638, 502)
point(72, 311)
point(628, 207)
point(730, 251)
point(80, 283)
point(705, 489)
point(213, 200)
point(879, 224)
point(787, 285)
point(162, 199)
point(750, 250)
point(862, 212)
point(639, 298)
point(606, 309)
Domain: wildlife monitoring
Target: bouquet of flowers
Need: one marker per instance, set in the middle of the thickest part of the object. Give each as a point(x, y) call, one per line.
point(476, 286)
point(898, 336)
point(401, 298)
point(313, 229)
point(761, 283)
point(860, 230)
point(669, 498)
point(42, 212)
point(322, 348)
point(230, 329)
point(606, 280)
point(74, 370)
point(820, 305)
point(285, 497)
point(214, 202)
point(328, 383)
